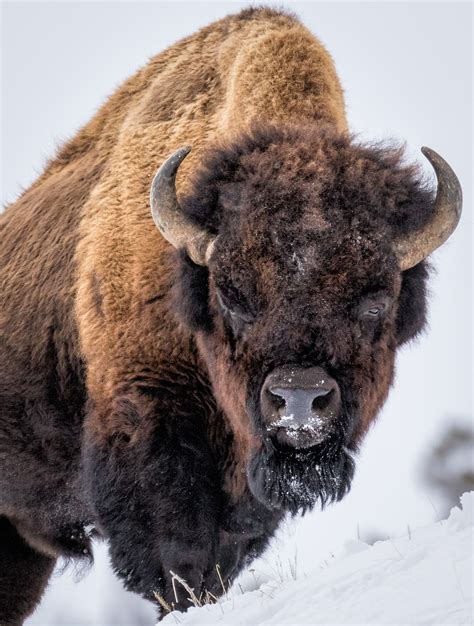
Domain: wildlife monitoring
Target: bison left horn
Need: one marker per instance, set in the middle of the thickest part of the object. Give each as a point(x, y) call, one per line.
point(447, 211)
point(169, 217)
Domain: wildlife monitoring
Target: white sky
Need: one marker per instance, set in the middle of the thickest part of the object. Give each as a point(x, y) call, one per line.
point(407, 73)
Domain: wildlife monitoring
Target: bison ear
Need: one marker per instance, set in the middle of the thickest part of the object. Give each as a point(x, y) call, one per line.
point(191, 295)
point(412, 306)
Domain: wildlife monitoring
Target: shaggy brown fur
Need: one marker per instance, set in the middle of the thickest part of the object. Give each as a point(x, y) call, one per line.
point(128, 396)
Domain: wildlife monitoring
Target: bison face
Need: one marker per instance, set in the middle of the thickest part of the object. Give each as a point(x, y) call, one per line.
point(300, 303)
point(301, 351)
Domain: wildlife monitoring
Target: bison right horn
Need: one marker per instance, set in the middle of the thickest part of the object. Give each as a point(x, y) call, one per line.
point(169, 217)
point(447, 211)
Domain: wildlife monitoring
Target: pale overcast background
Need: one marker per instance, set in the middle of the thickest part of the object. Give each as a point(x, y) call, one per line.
point(407, 73)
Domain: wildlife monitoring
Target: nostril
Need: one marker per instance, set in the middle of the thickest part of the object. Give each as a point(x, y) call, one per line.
point(322, 400)
point(278, 401)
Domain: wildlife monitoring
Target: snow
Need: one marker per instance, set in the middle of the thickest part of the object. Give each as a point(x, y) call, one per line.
point(424, 577)
point(91, 598)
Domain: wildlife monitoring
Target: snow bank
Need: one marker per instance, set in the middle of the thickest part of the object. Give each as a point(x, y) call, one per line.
point(422, 578)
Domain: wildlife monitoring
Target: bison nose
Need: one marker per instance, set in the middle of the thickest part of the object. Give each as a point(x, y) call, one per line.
point(299, 405)
point(302, 403)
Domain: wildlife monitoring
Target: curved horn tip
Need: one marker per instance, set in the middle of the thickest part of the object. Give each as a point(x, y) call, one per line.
point(450, 180)
point(428, 151)
point(170, 166)
point(167, 171)
point(182, 152)
point(434, 158)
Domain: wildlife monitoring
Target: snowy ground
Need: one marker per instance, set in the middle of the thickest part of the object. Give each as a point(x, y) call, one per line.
point(418, 576)
point(424, 577)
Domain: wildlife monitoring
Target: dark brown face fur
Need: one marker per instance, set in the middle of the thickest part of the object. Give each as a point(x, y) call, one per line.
point(303, 274)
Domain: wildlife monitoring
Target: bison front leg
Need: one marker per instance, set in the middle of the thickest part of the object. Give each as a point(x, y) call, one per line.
point(153, 484)
point(24, 573)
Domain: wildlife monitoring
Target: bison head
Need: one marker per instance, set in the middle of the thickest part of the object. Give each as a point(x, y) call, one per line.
point(302, 271)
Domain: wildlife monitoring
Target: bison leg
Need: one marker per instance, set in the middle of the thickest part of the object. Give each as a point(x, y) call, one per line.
point(153, 485)
point(24, 573)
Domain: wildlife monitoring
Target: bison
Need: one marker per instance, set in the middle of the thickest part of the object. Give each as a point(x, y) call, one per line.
point(177, 390)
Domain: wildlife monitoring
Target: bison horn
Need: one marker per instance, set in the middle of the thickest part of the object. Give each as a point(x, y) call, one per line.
point(447, 211)
point(169, 217)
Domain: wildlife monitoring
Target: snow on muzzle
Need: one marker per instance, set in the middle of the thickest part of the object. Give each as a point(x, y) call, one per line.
point(299, 405)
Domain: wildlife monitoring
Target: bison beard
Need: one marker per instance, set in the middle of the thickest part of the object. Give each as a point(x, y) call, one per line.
point(295, 480)
point(291, 480)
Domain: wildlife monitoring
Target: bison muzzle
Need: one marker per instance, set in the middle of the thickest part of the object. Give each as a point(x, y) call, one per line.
point(299, 405)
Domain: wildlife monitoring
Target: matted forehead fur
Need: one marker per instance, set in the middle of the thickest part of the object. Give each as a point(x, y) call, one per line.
point(310, 175)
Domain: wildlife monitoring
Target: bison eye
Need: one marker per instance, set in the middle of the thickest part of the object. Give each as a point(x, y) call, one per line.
point(236, 315)
point(374, 310)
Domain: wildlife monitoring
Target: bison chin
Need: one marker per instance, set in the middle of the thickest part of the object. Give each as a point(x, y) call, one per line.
point(294, 480)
